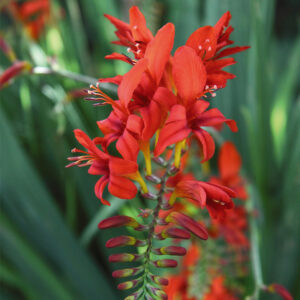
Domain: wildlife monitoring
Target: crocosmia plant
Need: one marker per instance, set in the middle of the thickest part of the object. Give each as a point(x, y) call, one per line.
point(163, 111)
point(187, 229)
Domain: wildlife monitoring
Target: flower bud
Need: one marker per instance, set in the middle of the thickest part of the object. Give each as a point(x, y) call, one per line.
point(134, 296)
point(280, 290)
point(161, 295)
point(128, 284)
point(160, 161)
point(124, 257)
point(13, 71)
point(153, 178)
point(188, 223)
point(124, 240)
point(165, 263)
point(149, 196)
point(126, 272)
point(119, 221)
point(173, 232)
point(170, 250)
point(158, 279)
point(173, 170)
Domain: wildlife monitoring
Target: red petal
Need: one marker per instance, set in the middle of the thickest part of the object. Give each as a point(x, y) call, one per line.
point(158, 51)
point(134, 125)
point(120, 25)
point(99, 188)
point(128, 146)
point(115, 80)
point(214, 117)
point(203, 41)
point(119, 166)
point(86, 142)
point(152, 117)
point(189, 74)
point(191, 189)
point(138, 26)
point(217, 65)
point(222, 23)
point(121, 187)
point(175, 129)
point(130, 81)
point(231, 50)
point(189, 224)
point(165, 98)
point(119, 56)
point(207, 142)
point(229, 161)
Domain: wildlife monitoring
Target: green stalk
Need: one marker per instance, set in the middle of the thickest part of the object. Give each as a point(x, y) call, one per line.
point(254, 251)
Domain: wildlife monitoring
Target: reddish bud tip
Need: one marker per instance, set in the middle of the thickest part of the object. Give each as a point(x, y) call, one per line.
point(160, 161)
point(154, 179)
point(159, 280)
point(188, 223)
point(118, 221)
point(165, 263)
point(128, 284)
point(124, 240)
point(173, 232)
point(280, 290)
point(170, 250)
point(126, 272)
point(123, 257)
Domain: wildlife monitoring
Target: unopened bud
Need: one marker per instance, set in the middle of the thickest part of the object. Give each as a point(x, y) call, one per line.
point(135, 295)
point(150, 196)
point(124, 240)
point(188, 223)
point(173, 170)
point(165, 263)
point(119, 221)
point(124, 257)
point(126, 272)
point(158, 279)
point(160, 294)
point(154, 179)
point(160, 161)
point(170, 250)
point(173, 232)
point(128, 284)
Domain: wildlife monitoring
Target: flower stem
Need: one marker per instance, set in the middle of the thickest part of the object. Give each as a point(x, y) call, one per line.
point(255, 256)
point(153, 224)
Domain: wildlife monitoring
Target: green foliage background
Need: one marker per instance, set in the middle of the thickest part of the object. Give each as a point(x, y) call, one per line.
point(50, 245)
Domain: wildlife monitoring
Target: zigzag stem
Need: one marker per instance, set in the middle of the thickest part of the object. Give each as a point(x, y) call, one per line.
point(154, 223)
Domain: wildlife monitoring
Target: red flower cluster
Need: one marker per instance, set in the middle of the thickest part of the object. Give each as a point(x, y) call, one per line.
point(33, 14)
point(163, 95)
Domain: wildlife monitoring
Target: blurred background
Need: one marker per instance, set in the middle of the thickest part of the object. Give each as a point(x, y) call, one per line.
point(50, 245)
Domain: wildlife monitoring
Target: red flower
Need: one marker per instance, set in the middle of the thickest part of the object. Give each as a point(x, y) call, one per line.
point(135, 35)
point(233, 226)
point(115, 171)
point(208, 42)
point(229, 164)
point(215, 198)
point(280, 290)
point(219, 291)
point(34, 15)
point(190, 114)
point(14, 70)
point(178, 284)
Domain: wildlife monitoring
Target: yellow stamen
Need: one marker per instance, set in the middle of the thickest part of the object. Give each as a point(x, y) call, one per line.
point(145, 148)
point(178, 148)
